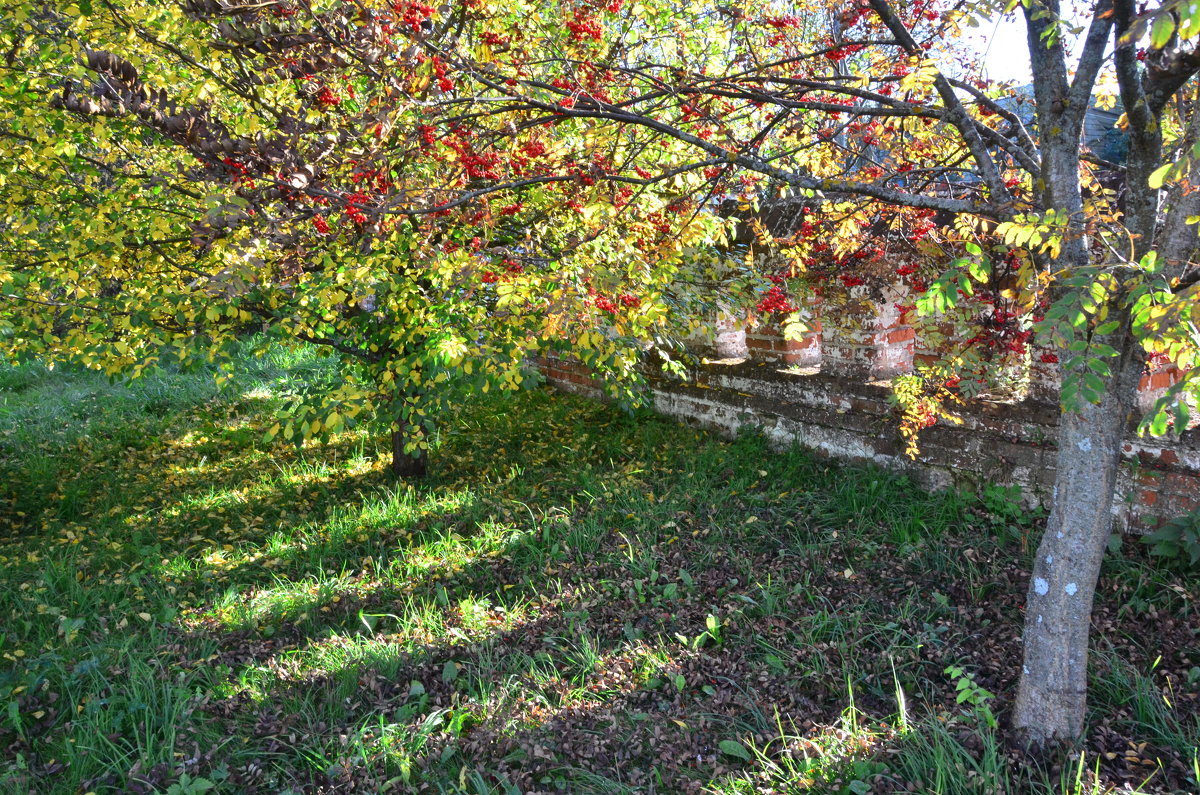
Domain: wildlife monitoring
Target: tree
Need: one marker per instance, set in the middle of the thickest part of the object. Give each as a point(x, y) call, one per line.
point(314, 171)
point(618, 127)
point(871, 116)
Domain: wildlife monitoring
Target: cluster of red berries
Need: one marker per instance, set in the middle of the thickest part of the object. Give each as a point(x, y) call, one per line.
point(775, 302)
point(354, 204)
point(326, 98)
point(842, 52)
point(241, 174)
point(413, 14)
point(445, 84)
point(372, 178)
point(854, 15)
point(584, 27)
point(528, 151)
point(999, 333)
point(783, 22)
point(476, 166)
point(511, 268)
point(923, 9)
point(604, 304)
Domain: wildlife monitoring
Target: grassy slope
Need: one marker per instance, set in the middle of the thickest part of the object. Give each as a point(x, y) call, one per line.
point(577, 600)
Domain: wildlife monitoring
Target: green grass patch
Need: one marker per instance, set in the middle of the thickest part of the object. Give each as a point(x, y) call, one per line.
point(576, 600)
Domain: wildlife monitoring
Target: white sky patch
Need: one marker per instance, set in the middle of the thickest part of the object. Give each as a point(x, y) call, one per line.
point(1004, 49)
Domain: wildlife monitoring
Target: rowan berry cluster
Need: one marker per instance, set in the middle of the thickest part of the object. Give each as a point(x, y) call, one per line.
point(584, 26)
point(413, 15)
point(775, 302)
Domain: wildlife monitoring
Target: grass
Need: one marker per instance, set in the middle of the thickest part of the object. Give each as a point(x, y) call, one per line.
point(576, 600)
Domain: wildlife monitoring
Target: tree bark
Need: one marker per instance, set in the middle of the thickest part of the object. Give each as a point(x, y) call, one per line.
point(1051, 702)
point(406, 465)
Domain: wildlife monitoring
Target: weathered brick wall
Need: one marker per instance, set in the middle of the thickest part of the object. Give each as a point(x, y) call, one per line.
point(820, 393)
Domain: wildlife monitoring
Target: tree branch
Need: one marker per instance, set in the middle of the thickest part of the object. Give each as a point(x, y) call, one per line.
point(956, 112)
point(1090, 61)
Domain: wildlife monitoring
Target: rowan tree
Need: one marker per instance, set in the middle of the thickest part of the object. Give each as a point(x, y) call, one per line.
point(183, 174)
point(877, 118)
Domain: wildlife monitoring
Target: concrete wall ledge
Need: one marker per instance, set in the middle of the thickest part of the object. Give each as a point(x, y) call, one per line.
point(1006, 443)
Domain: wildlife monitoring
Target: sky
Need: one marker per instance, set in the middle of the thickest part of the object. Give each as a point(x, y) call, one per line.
point(1006, 54)
point(1006, 51)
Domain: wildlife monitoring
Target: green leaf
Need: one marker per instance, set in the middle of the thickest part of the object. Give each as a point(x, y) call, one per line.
point(1182, 414)
point(734, 748)
point(1161, 30)
point(1158, 423)
point(1095, 386)
point(980, 270)
point(449, 671)
point(1159, 176)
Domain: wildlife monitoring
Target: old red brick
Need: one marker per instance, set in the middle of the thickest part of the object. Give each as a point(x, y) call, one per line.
point(1183, 484)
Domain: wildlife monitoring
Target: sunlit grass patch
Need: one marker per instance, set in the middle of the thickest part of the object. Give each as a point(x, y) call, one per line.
point(578, 600)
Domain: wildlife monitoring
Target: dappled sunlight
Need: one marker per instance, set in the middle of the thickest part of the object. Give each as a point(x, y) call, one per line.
point(573, 601)
point(258, 394)
point(393, 529)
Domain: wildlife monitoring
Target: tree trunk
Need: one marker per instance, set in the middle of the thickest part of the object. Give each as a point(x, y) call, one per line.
point(1051, 699)
point(406, 465)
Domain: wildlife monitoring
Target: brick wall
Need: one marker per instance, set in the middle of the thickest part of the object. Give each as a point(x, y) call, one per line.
point(829, 392)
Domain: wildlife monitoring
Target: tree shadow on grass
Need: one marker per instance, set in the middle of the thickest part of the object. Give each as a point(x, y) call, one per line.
point(589, 686)
point(597, 687)
point(548, 623)
point(607, 674)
